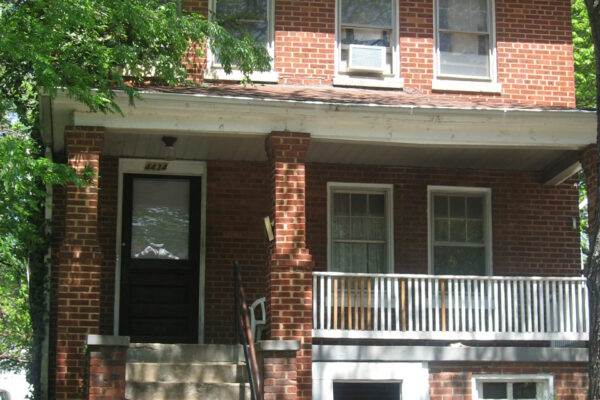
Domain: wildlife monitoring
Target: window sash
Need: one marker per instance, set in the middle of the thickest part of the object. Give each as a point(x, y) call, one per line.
point(490, 67)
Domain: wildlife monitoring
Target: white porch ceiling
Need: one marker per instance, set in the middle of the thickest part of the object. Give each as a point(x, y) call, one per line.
point(252, 148)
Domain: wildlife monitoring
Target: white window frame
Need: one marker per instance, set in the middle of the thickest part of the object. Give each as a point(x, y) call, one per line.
point(214, 71)
point(546, 381)
point(467, 83)
point(375, 81)
point(367, 188)
point(486, 193)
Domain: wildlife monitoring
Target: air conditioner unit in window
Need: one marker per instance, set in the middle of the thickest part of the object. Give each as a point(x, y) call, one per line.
point(366, 58)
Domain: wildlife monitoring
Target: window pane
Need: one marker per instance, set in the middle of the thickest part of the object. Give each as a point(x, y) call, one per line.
point(341, 228)
point(463, 15)
point(376, 228)
point(341, 204)
point(440, 206)
point(359, 204)
point(475, 207)
point(441, 230)
point(449, 260)
point(160, 219)
point(464, 54)
point(359, 228)
point(475, 231)
point(458, 231)
point(359, 257)
point(524, 390)
point(367, 12)
point(244, 17)
point(342, 257)
point(494, 390)
point(457, 207)
point(376, 259)
point(368, 37)
point(376, 205)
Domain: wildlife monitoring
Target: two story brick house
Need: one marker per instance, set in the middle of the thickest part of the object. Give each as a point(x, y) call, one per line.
point(417, 161)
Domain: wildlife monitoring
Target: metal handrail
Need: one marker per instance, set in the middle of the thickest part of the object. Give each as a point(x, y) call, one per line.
point(243, 333)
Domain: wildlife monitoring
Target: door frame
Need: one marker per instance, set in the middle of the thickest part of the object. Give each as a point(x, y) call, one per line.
point(161, 167)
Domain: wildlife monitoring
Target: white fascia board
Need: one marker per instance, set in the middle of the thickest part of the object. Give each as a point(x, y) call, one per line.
point(398, 124)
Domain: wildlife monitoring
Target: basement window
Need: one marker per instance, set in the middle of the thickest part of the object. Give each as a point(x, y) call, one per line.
point(367, 390)
point(512, 387)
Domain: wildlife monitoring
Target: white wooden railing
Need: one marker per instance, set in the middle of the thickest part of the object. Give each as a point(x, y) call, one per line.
point(378, 306)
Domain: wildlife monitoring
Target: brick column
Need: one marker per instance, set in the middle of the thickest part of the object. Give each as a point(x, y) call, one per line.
point(107, 362)
point(289, 273)
point(590, 168)
point(79, 266)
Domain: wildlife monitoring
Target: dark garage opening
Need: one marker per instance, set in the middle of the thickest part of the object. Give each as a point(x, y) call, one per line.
point(366, 391)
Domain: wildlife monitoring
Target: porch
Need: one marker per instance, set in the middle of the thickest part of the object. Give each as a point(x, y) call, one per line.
point(449, 307)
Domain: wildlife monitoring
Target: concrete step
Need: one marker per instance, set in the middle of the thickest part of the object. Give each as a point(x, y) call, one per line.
point(209, 372)
point(187, 391)
point(184, 353)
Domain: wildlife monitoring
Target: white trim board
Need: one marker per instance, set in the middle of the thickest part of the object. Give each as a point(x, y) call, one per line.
point(185, 168)
point(414, 377)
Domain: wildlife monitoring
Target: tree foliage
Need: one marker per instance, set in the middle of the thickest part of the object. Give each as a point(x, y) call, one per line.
point(90, 49)
point(583, 55)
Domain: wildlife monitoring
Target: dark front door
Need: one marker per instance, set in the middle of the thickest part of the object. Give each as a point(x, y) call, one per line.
point(160, 255)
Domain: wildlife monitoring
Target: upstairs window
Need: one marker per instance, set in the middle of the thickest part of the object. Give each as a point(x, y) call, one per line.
point(465, 42)
point(360, 228)
point(367, 44)
point(459, 231)
point(242, 18)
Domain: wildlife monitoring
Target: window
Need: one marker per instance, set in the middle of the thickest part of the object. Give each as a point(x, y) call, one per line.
point(512, 387)
point(360, 222)
point(465, 45)
point(367, 45)
point(241, 18)
point(459, 231)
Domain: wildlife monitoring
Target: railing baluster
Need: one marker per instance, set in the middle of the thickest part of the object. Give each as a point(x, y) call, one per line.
point(349, 302)
point(436, 286)
point(509, 306)
point(429, 306)
point(561, 309)
point(586, 308)
point(328, 307)
point(322, 303)
point(573, 308)
point(463, 326)
point(362, 303)
point(528, 304)
point(369, 303)
point(356, 298)
point(403, 286)
point(457, 306)
point(542, 306)
point(376, 304)
point(496, 306)
point(482, 285)
point(315, 288)
point(450, 306)
point(502, 307)
point(470, 305)
point(410, 305)
point(417, 306)
point(343, 304)
point(382, 302)
point(423, 305)
point(443, 298)
point(397, 303)
point(476, 314)
point(335, 302)
point(567, 309)
point(522, 303)
point(389, 304)
point(535, 307)
point(490, 311)
point(579, 308)
point(548, 308)
point(515, 290)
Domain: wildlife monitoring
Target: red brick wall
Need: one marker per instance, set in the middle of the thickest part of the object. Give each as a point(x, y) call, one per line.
point(452, 381)
point(279, 375)
point(532, 228)
point(237, 201)
point(534, 48)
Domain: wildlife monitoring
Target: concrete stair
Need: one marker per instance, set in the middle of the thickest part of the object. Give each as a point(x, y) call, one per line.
point(186, 372)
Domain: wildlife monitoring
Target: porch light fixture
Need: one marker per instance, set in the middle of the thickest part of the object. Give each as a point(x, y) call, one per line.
point(169, 142)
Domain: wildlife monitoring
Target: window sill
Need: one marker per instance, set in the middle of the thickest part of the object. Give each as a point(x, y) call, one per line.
point(218, 74)
point(466, 86)
point(369, 82)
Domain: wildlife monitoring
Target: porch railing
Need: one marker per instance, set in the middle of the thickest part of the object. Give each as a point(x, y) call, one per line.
point(378, 306)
